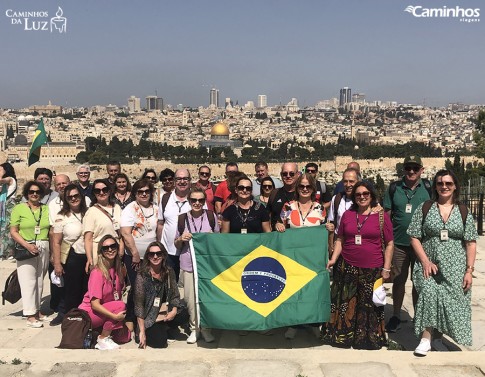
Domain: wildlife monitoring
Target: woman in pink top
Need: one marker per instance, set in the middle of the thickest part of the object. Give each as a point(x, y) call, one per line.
point(103, 300)
point(358, 261)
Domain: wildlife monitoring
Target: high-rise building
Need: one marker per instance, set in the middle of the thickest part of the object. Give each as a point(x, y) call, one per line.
point(345, 96)
point(358, 97)
point(134, 104)
point(262, 100)
point(154, 103)
point(214, 98)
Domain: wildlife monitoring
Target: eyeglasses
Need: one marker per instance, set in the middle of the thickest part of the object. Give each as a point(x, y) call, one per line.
point(103, 190)
point(310, 171)
point(447, 184)
point(153, 254)
point(110, 247)
point(364, 194)
point(244, 188)
point(143, 192)
point(304, 187)
point(288, 173)
point(179, 179)
point(196, 200)
point(73, 197)
point(267, 186)
point(205, 174)
point(83, 173)
point(168, 179)
point(34, 192)
point(414, 168)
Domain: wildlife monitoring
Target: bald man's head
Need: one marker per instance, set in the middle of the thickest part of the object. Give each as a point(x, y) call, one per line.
point(60, 183)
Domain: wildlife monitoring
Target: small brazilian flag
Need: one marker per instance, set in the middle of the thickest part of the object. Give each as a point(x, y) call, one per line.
point(262, 281)
point(39, 139)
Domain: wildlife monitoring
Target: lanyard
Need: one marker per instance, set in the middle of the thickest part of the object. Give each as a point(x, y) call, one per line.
point(180, 206)
point(443, 220)
point(143, 213)
point(201, 222)
point(406, 193)
point(78, 219)
point(301, 215)
point(245, 218)
point(360, 225)
point(33, 215)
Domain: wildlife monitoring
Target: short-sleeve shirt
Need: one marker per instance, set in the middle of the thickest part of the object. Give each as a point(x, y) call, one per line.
point(344, 205)
point(369, 253)
point(71, 227)
point(199, 224)
point(55, 207)
point(222, 192)
point(292, 215)
point(274, 208)
point(26, 220)
point(143, 222)
point(101, 288)
point(100, 224)
point(251, 220)
point(400, 219)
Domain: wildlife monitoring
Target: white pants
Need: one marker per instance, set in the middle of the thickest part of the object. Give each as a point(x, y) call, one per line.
point(189, 297)
point(31, 273)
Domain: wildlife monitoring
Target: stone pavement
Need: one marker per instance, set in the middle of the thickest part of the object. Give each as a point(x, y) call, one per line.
point(32, 352)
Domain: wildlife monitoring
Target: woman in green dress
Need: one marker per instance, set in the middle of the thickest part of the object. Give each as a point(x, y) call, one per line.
point(445, 247)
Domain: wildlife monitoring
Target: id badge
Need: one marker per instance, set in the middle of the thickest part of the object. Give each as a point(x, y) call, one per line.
point(444, 235)
point(116, 296)
point(409, 208)
point(148, 226)
point(156, 302)
point(37, 230)
point(244, 231)
point(358, 239)
point(116, 225)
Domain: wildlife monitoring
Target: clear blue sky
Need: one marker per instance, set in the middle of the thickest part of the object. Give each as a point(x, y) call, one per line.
point(303, 49)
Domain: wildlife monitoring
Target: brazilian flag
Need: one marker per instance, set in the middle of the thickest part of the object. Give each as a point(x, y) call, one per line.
point(262, 281)
point(39, 139)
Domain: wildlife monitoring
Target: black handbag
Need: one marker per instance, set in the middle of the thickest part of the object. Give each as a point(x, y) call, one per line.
point(11, 292)
point(20, 253)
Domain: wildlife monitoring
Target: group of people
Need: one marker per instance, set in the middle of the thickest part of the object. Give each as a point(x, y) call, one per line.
point(97, 237)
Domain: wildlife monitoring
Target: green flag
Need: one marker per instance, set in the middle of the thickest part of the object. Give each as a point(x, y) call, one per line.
point(262, 281)
point(39, 139)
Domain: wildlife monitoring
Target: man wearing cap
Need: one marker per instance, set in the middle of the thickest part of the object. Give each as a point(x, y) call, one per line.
point(401, 200)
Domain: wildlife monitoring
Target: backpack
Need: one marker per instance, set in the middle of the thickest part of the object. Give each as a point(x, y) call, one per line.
point(336, 204)
point(75, 326)
point(427, 206)
point(164, 200)
point(11, 291)
point(183, 218)
point(393, 187)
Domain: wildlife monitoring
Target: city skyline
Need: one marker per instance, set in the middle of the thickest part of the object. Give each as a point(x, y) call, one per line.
point(112, 50)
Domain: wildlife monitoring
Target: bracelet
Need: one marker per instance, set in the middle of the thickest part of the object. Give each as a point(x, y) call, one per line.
point(385, 269)
point(472, 268)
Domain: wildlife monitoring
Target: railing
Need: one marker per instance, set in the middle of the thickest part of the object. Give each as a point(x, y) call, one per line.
point(473, 196)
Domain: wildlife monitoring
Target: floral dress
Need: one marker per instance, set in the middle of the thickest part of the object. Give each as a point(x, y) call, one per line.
point(6, 206)
point(442, 303)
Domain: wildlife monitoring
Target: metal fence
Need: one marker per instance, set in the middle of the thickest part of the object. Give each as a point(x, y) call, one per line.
point(472, 195)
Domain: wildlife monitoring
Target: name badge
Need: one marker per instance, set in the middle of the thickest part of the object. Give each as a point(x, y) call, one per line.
point(444, 235)
point(244, 231)
point(37, 230)
point(116, 225)
point(116, 296)
point(409, 208)
point(156, 302)
point(358, 239)
point(148, 226)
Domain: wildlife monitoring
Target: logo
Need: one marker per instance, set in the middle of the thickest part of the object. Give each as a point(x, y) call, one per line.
point(463, 14)
point(263, 280)
point(38, 20)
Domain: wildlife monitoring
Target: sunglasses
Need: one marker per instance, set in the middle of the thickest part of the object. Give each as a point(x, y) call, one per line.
point(267, 186)
point(103, 190)
point(204, 173)
point(110, 247)
point(311, 171)
point(34, 192)
point(288, 173)
point(364, 194)
point(169, 179)
point(153, 254)
point(414, 168)
point(151, 177)
point(179, 179)
point(244, 188)
point(447, 184)
point(304, 187)
point(73, 197)
point(196, 200)
point(143, 192)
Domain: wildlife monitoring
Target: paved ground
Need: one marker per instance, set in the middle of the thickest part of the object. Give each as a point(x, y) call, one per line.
point(32, 352)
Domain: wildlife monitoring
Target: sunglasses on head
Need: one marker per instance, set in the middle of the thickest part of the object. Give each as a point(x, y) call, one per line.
point(288, 173)
point(73, 197)
point(153, 254)
point(364, 194)
point(447, 184)
point(244, 188)
point(110, 247)
point(103, 190)
point(197, 200)
point(414, 168)
point(34, 192)
point(143, 192)
point(304, 187)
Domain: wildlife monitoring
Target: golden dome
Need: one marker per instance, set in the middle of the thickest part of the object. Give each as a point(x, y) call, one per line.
point(219, 129)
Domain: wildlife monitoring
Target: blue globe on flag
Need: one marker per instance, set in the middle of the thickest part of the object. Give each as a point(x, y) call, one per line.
point(263, 279)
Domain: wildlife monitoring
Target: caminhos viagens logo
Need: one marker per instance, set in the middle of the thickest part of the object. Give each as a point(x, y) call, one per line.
point(457, 12)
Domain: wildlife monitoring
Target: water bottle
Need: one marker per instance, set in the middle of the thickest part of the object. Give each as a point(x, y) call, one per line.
point(88, 339)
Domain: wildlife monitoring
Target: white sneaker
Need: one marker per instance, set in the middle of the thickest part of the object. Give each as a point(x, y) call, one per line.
point(192, 337)
point(423, 348)
point(207, 335)
point(438, 345)
point(290, 333)
point(105, 344)
point(35, 324)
